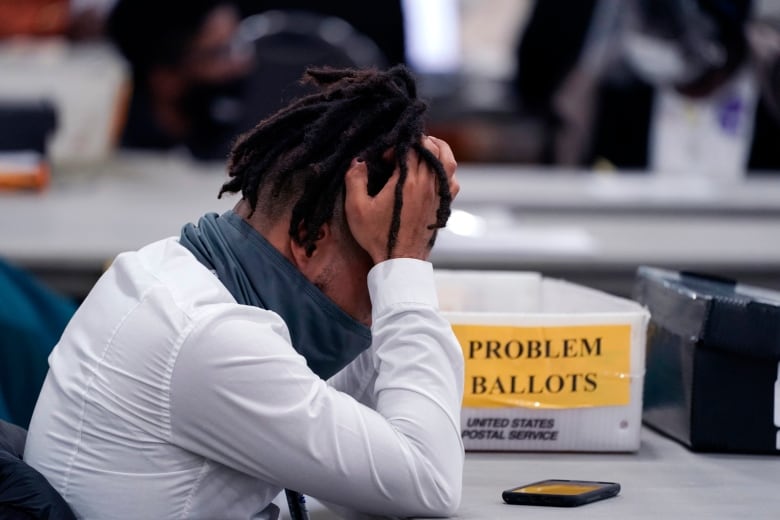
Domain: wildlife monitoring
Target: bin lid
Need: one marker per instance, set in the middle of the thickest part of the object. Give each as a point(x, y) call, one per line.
point(715, 312)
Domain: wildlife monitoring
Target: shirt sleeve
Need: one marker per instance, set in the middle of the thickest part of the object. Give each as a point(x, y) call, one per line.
point(241, 395)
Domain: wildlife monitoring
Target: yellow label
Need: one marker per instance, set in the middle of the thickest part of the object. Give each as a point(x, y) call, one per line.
point(546, 367)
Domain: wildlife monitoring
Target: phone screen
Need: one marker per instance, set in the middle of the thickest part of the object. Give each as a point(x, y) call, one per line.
point(556, 488)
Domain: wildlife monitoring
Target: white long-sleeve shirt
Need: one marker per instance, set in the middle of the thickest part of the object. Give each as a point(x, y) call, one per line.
point(167, 399)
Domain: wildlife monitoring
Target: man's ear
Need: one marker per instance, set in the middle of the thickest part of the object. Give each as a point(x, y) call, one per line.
point(301, 257)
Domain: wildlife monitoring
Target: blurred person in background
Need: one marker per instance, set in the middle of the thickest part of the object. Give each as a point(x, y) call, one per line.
point(693, 104)
point(666, 86)
point(32, 317)
point(546, 52)
point(189, 69)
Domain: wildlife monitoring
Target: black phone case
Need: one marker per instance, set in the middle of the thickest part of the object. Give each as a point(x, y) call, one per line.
point(606, 490)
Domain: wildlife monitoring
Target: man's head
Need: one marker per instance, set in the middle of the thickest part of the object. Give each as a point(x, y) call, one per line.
point(290, 169)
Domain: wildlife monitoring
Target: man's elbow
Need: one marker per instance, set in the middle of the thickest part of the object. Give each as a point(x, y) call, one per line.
point(445, 497)
point(448, 484)
point(451, 499)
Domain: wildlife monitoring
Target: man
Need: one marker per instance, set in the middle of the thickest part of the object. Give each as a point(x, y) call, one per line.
point(177, 392)
point(189, 69)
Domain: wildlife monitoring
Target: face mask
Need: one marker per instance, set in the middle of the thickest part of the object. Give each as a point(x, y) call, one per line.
point(257, 274)
point(214, 105)
point(659, 62)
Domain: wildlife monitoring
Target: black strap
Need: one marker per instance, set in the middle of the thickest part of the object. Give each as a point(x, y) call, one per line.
point(297, 504)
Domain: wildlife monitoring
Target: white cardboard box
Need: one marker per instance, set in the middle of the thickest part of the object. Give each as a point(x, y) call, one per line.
point(550, 365)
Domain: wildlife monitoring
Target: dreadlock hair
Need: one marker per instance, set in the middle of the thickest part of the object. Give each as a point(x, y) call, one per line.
point(299, 155)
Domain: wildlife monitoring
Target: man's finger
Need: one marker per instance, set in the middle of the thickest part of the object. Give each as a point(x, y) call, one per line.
point(446, 157)
point(412, 162)
point(431, 144)
point(357, 176)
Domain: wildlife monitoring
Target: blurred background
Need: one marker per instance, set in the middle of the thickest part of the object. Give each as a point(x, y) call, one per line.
point(593, 136)
point(678, 86)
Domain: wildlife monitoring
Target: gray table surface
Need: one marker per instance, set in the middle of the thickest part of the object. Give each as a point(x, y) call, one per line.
point(663, 480)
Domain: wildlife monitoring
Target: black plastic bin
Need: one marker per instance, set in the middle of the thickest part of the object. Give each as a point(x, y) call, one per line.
point(713, 361)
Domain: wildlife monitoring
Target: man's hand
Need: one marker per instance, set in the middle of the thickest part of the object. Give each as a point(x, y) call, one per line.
point(369, 218)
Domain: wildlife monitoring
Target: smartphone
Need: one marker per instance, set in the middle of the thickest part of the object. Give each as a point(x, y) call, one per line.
point(561, 493)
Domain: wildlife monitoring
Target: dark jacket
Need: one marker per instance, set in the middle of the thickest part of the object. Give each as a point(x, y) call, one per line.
point(24, 493)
